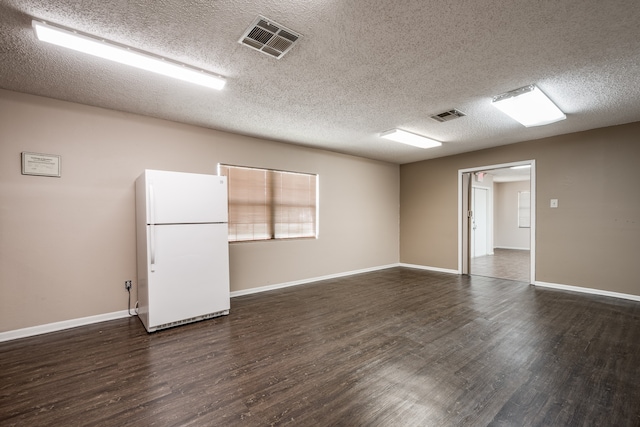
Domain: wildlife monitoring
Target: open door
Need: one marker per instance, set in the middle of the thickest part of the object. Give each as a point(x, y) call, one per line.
point(479, 218)
point(466, 215)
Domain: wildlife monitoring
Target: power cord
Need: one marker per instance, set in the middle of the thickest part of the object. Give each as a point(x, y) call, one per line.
point(127, 286)
point(129, 302)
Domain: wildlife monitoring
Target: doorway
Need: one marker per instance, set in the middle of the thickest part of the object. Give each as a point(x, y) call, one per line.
point(496, 227)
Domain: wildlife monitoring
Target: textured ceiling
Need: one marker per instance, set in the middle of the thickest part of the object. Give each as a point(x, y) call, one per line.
point(361, 67)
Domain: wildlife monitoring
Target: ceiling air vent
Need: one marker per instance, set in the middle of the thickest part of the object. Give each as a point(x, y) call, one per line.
point(269, 37)
point(447, 115)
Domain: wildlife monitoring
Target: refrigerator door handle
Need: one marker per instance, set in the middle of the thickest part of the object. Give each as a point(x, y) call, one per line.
point(152, 244)
point(152, 204)
point(152, 226)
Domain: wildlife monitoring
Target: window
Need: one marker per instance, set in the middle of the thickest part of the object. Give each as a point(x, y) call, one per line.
point(269, 204)
point(524, 209)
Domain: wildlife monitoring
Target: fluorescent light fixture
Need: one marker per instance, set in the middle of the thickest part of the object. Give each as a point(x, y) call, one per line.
point(410, 138)
point(520, 167)
point(125, 55)
point(529, 106)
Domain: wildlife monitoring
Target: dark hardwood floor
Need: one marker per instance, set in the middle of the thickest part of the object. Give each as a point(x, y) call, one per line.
point(398, 347)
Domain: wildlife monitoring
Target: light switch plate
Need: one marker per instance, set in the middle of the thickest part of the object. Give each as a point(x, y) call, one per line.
point(554, 203)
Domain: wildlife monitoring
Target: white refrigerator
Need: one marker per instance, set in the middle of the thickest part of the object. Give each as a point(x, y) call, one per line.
point(182, 248)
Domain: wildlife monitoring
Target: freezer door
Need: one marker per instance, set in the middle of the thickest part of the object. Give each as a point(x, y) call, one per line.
point(191, 273)
point(185, 198)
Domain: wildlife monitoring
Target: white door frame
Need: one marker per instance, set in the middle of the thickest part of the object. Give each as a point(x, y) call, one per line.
point(462, 216)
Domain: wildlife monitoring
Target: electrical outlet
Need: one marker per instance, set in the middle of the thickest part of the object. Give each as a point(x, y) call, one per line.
point(127, 284)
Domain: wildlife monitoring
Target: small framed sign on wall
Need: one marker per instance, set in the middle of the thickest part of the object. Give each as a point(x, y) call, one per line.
point(40, 164)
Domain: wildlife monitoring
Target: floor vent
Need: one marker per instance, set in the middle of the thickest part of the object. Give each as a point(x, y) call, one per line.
point(269, 37)
point(448, 116)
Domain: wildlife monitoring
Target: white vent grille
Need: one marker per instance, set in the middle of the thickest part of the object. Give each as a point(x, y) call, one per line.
point(448, 115)
point(269, 37)
point(191, 320)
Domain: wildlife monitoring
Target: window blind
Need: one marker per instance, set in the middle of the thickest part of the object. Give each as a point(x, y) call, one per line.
point(270, 204)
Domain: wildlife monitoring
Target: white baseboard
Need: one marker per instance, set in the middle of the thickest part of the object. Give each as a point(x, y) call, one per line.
point(587, 290)
point(305, 281)
point(512, 248)
point(426, 267)
point(73, 323)
point(59, 326)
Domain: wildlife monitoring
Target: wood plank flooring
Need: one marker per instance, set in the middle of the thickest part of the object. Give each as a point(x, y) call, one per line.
point(509, 264)
point(397, 347)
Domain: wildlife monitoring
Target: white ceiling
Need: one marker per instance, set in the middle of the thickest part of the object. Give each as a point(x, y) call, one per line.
point(361, 67)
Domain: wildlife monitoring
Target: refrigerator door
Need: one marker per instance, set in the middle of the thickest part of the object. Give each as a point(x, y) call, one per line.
point(185, 198)
point(191, 273)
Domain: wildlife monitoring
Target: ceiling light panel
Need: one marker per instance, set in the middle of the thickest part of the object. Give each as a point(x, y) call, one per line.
point(124, 55)
point(529, 106)
point(409, 138)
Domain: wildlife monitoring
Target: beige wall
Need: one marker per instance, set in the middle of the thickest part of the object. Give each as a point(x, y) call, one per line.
point(68, 244)
point(507, 232)
point(591, 240)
